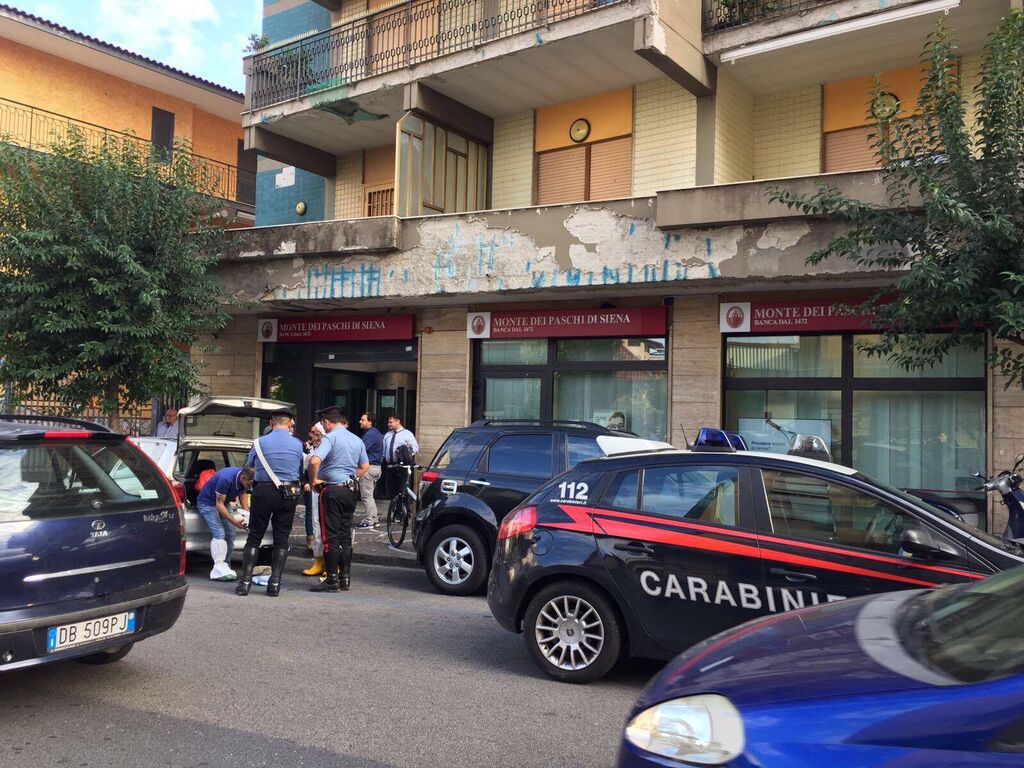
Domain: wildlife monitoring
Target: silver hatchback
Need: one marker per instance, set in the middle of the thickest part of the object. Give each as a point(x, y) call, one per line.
point(214, 433)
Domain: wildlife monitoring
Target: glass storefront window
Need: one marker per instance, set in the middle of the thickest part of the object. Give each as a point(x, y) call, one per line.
point(617, 350)
point(518, 352)
point(961, 362)
point(508, 398)
point(920, 439)
point(632, 400)
point(816, 412)
point(755, 357)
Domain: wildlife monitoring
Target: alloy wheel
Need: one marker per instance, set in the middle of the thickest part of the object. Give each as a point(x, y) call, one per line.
point(453, 560)
point(569, 632)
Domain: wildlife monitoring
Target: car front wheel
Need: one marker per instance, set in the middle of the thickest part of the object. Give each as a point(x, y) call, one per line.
point(457, 561)
point(573, 632)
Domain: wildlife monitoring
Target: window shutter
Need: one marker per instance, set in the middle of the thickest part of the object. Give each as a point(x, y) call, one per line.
point(562, 176)
point(611, 165)
point(162, 133)
point(850, 150)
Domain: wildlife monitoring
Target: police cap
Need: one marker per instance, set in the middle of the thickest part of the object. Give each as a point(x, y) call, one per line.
point(333, 415)
point(282, 412)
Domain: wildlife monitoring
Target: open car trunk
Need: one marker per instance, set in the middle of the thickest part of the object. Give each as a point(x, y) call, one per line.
point(233, 418)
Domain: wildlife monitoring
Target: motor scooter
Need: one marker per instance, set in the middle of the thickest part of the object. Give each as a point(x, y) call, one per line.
point(1007, 483)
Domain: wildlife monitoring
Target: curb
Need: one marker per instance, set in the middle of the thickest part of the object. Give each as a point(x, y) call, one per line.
point(388, 558)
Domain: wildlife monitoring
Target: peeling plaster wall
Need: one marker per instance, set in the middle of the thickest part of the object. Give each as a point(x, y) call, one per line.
point(558, 247)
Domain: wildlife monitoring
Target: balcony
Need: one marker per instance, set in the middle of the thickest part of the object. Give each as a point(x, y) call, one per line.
point(409, 34)
point(726, 14)
point(32, 128)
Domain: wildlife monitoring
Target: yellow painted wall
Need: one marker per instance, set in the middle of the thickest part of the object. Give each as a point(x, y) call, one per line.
point(734, 131)
point(664, 137)
point(47, 82)
point(610, 115)
point(846, 104)
point(787, 133)
point(379, 165)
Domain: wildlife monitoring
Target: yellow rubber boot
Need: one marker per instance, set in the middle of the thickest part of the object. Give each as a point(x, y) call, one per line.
point(316, 568)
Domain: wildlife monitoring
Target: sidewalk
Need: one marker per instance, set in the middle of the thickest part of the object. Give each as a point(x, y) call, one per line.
point(371, 545)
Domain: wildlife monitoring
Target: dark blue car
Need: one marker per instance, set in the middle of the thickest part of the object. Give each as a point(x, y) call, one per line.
point(901, 680)
point(91, 548)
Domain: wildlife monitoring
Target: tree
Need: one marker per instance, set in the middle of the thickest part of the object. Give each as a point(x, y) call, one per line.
point(954, 230)
point(105, 256)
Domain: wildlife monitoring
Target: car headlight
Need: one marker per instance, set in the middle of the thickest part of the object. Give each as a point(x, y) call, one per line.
point(704, 729)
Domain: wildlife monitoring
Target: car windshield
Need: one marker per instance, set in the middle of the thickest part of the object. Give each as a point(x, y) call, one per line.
point(971, 633)
point(222, 425)
point(988, 538)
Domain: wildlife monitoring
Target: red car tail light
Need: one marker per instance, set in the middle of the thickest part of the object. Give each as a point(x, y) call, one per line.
point(429, 476)
point(80, 434)
point(520, 522)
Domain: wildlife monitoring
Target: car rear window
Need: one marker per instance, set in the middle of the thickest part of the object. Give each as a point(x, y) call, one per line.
point(67, 478)
point(458, 452)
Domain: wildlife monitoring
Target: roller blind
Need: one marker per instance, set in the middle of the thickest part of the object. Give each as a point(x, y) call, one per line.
point(610, 169)
point(850, 150)
point(562, 176)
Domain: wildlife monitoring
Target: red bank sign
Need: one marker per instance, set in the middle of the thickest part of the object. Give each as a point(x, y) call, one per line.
point(566, 323)
point(337, 328)
point(790, 316)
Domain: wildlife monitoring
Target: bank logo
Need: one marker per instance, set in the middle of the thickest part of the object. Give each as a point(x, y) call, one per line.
point(478, 325)
point(267, 330)
point(734, 317)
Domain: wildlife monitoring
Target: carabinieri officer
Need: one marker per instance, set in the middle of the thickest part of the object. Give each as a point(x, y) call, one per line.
point(334, 468)
point(282, 452)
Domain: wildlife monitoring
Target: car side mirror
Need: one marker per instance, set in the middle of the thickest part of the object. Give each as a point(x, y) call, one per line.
point(920, 542)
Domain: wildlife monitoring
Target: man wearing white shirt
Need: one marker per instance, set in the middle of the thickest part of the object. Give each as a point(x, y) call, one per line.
point(169, 426)
point(397, 436)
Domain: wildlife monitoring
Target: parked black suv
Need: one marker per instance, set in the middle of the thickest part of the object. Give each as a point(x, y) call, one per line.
point(480, 474)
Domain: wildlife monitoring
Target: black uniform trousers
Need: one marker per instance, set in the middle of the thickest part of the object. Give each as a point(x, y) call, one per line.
point(337, 504)
point(268, 507)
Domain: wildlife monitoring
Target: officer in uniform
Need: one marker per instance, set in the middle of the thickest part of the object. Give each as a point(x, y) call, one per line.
point(270, 504)
point(334, 468)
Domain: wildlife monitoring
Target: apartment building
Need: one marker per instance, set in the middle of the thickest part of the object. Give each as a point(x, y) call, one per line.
point(557, 209)
point(53, 78)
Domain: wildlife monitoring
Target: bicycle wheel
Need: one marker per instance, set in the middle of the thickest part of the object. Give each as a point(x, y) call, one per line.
point(398, 520)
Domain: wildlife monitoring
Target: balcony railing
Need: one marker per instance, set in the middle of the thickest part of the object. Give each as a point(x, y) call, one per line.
point(411, 33)
point(725, 14)
point(34, 128)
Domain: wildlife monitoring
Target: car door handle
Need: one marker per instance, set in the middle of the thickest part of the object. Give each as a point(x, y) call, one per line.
point(479, 482)
point(794, 576)
point(635, 548)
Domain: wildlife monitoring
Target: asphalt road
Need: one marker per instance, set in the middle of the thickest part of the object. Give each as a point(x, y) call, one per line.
point(389, 674)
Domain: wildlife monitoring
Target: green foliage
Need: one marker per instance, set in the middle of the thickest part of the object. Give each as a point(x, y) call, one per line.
point(256, 43)
point(955, 227)
point(105, 258)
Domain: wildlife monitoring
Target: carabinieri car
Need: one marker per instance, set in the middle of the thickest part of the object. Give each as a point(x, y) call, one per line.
point(651, 552)
point(915, 678)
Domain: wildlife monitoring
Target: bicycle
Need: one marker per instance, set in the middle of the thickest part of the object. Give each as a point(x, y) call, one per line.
point(402, 506)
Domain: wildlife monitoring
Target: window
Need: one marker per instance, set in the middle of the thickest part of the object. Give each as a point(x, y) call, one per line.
point(622, 491)
point(162, 134)
point(518, 352)
point(755, 357)
point(511, 398)
point(72, 479)
point(582, 448)
point(702, 493)
point(630, 400)
point(524, 455)
point(807, 507)
point(597, 171)
point(457, 452)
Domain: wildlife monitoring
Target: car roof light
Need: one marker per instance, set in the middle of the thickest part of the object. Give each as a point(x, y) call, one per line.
point(712, 440)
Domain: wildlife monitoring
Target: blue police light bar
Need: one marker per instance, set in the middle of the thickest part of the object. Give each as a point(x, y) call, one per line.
point(711, 439)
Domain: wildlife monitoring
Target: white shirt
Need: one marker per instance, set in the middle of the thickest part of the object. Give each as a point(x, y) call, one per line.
point(163, 429)
point(392, 440)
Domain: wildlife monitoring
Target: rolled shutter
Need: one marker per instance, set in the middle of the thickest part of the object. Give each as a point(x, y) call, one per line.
point(162, 133)
point(562, 176)
point(850, 150)
point(611, 169)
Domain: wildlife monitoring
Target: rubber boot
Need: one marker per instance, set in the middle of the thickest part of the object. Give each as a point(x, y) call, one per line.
point(331, 583)
point(345, 571)
point(316, 568)
point(249, 557)
point(221, 569)
point(278, 555)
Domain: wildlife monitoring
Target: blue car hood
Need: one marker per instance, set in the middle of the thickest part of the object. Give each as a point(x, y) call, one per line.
point(844, 648)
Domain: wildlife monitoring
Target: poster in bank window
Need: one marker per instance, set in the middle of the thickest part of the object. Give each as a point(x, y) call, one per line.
point(759, 436)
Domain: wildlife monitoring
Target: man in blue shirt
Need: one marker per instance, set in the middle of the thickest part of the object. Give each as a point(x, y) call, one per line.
point(374, 442)
point(224, 487)
point(271, 504)
point(334, 469)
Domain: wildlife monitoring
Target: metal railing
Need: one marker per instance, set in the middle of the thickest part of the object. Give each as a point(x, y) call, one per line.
point(37, 129)
point(725, 14)
point(398, 37)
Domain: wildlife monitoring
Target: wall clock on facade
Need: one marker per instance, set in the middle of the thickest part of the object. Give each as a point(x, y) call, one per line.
point(579, 130)
point(885, 106)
